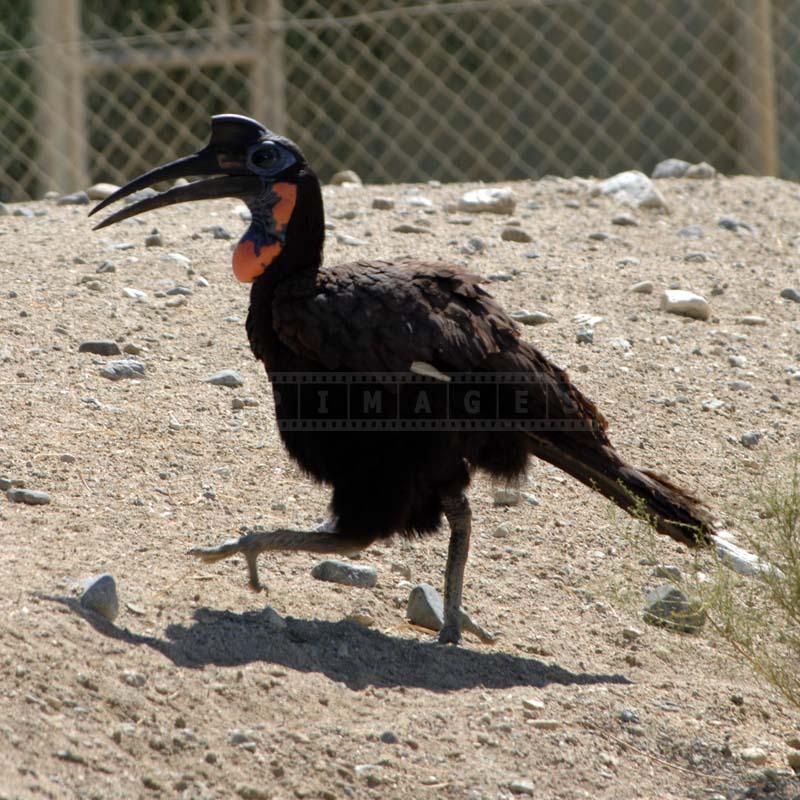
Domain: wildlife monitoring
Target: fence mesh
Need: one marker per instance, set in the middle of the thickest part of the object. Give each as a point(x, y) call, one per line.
point(400, 90)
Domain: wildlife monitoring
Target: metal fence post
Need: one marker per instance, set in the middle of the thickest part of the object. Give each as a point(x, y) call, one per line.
point(756, 68)
point(268, 80)
point(61, 114)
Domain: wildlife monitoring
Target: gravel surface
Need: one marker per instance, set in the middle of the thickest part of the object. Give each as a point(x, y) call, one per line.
point(202, 689)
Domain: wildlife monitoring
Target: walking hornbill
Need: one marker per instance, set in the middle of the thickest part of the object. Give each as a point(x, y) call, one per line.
point(377, 319)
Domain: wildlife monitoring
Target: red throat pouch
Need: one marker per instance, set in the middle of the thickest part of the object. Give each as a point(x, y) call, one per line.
point(255, 252)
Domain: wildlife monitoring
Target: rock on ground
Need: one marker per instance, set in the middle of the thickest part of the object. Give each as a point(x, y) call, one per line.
point(348, 574)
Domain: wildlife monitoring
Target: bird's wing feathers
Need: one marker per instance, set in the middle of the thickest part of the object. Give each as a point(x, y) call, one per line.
point(381, 316)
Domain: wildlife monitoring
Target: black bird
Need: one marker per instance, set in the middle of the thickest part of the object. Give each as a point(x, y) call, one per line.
point(370, 321)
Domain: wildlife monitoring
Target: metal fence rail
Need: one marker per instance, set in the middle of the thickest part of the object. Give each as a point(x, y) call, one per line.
point(400, 90)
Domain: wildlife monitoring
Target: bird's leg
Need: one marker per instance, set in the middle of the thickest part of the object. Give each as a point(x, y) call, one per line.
point(459, 517)
point(254, 543)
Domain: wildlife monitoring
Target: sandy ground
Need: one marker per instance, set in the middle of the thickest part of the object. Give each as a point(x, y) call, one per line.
point(199, 691)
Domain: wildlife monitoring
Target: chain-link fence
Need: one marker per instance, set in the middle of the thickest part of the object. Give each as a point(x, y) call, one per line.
point(400, 90)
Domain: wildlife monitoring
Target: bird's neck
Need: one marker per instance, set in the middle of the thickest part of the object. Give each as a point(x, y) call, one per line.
point(301, 253)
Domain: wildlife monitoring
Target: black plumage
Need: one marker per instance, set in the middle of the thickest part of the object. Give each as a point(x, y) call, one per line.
point(381, 317)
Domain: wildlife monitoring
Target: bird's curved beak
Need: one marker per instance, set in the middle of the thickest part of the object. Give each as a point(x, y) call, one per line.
point(224, 156)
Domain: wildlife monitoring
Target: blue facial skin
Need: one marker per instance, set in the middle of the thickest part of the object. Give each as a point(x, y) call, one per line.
point(263, 230)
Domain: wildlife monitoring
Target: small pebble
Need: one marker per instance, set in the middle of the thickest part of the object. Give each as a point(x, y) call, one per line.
point(513, 234)
point(176, 258)
point(701, 171)
point(686, 304)
point(75, 199)
point(732, 224)
point(226, 377)
point(493, 201)
point(383, 203)
point(100, 347)
point(100, 595)
point(532, 317)
point(106, 267)
point(132, 678)
point(28, 497)
point(633, 188)
point(643, 287)
point(344, 573)
point(99, 191)
point(405, 227)
point(218, 232)
point(350, 241)
point(142, 194)
point(790, 294)
point(671, 168)
point(345, 176)
point(474, 245)
point(154, 239)
point(750, 439)
point(123, 369)
point(522, 787)
point(625, 220)
point(669, 606)
point(752, 321)
point(134, 294)
point(668, 571)
point(502, 531)
point(534, 706)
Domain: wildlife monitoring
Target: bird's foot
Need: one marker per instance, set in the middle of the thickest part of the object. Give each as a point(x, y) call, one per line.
point(468, 624)
point(450, 632)
point(247, 545)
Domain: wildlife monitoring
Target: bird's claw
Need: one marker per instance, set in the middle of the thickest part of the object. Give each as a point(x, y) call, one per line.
point(450, 633)
point(468, 624)
point(230, 548)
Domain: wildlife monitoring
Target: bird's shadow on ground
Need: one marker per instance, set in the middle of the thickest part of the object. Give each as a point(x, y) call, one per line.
point(342, 651)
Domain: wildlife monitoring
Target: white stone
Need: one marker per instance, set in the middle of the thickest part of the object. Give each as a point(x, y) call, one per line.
point(99, 191)
point(633, 188)
point(134, 294)
point(686, 304)
point(494, 201)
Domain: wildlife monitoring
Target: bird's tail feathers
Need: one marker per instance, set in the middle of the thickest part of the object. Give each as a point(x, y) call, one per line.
point(672, 510)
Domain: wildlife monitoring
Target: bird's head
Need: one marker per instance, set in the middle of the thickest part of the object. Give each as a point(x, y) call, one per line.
point(267, 171)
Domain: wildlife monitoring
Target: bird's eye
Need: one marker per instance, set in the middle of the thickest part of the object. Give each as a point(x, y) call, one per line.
point(265, 157)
